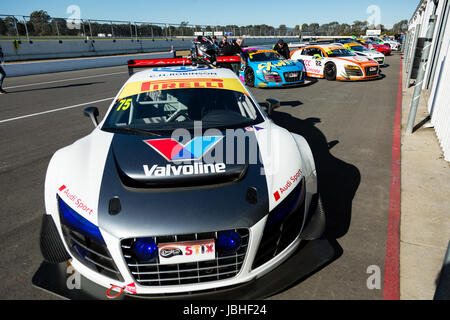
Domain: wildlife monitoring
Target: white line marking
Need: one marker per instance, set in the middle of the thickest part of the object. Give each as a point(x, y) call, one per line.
point(54, 110)
point(55, 81)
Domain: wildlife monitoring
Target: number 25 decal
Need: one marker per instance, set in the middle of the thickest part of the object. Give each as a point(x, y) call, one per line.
point(124, 104)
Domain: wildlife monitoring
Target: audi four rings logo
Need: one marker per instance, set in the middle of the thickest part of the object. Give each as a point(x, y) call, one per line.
point(170, 252)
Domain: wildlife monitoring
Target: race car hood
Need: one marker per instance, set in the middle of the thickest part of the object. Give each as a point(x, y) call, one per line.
point(105, 166)
point(359, 60)
point(164, 162)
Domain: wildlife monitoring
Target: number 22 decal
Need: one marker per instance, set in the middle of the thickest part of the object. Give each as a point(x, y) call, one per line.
point(124, 104)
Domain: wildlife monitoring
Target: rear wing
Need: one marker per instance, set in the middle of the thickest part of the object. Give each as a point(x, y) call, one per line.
point(297, 45)
point(222, 62)
point(154, 63)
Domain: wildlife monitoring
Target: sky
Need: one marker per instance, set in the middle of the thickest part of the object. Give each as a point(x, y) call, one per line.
point(238, 12)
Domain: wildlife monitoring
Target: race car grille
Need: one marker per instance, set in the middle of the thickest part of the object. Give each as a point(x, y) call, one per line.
point(281, 231)
point(91, 253)
point(371, 71)
point(354, 72)
point(292, 76)
point(152, 273)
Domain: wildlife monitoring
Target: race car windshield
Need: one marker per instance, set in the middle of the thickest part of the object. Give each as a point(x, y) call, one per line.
point(265, 56)
point(340, 53)
point(170, 109)
point(359, 48)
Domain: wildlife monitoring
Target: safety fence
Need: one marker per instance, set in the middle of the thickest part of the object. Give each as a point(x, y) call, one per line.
point(37, 27)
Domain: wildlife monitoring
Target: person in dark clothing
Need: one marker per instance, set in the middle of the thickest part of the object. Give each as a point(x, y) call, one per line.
point(282, 48)
point(235, 49)
point(223, 43)
point(214, 40)
point(2, 72)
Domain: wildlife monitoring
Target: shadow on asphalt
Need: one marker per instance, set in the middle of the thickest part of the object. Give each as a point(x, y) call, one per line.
point(337, 180)
point(59, 87)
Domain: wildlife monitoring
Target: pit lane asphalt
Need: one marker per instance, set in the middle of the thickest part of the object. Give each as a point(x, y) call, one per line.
point(348, 125)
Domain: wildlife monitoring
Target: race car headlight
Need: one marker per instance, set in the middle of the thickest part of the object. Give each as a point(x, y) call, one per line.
point(145, 249)
point(228, 241)
point(271, 76)
point(348, 66)
point(76, 222)
point(270, 73)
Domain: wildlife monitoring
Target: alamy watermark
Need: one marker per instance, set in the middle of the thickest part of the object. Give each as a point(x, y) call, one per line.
point(374, 16)
point(74, 20)
point(374, 280)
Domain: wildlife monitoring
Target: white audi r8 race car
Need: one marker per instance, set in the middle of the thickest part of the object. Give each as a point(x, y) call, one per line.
point(334, 62)
point(360, 50)
point(185, 186)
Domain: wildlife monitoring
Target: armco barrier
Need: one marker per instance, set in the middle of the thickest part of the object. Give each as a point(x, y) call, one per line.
point(53, 49)
point(39, 67)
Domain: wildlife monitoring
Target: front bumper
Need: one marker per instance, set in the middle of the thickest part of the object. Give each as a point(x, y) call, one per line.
point(246, 273)
point(379, 76)
point(261, 82)
point(309, 257)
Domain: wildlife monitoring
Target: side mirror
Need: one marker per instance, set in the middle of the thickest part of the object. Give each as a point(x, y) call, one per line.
point(92, 112)
point(271, 104)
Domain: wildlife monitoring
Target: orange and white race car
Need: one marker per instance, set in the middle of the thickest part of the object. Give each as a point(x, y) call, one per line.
point(334, 62)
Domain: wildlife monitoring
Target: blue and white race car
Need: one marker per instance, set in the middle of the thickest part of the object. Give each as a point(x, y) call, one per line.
point(267, 68)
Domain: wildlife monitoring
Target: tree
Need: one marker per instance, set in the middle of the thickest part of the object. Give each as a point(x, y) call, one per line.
point(282, 29)
point(40, 20)
point(314, 27)
point(400, 27)
point(359, 27)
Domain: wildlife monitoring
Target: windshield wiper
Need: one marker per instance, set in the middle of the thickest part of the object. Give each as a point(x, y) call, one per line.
point(132, 130)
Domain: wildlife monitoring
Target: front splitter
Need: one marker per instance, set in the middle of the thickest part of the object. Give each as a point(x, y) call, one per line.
point(309, 258)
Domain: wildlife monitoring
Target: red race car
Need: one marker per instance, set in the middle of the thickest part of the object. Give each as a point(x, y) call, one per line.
point(372, 45)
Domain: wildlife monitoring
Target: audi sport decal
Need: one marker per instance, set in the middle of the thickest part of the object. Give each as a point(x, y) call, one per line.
point(137, 87)
point(292, 181)
point(185, 252)
point(172, 150)
point(66, 194)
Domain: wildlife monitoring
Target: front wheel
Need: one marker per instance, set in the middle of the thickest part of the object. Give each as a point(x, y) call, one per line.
point(330, 71)
point(249, 77)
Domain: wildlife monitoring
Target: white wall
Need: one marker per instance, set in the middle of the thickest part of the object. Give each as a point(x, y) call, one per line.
point(439, 101)
point(48, 49)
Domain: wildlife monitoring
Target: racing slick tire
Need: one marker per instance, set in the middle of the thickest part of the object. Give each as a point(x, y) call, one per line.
point(330, 71)
point(249, 77)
